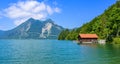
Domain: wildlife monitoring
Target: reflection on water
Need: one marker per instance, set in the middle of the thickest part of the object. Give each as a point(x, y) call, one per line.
point(56, 52)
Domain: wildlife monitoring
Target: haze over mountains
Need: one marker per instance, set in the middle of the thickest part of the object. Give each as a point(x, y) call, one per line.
point(33, 29)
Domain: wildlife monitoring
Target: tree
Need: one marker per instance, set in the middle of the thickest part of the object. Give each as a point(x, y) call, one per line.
point(63, 34)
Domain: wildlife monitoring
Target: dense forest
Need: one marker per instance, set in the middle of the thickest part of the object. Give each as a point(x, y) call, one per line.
point(106, 26)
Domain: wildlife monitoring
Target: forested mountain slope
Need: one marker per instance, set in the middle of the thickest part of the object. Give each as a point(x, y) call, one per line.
point(106, 25)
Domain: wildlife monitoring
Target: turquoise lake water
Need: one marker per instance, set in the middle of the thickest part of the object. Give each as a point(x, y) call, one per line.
point(56, 52)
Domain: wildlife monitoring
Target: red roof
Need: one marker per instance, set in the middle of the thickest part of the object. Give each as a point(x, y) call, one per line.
point(88, 36)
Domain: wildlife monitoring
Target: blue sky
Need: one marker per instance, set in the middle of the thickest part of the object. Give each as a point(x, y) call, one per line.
point(67, 13)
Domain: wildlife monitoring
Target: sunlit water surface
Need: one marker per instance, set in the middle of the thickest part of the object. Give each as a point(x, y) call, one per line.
point(56, 52)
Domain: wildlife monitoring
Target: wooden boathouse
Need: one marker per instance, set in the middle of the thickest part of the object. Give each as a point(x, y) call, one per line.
point(88, 38)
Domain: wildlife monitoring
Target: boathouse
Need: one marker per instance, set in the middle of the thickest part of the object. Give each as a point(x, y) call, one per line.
point(87, 38)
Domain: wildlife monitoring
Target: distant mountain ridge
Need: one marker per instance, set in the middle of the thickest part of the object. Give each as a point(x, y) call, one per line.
point(33, 29)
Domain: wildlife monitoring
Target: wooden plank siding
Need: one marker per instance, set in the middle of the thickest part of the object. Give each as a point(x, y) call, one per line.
point(90, 38)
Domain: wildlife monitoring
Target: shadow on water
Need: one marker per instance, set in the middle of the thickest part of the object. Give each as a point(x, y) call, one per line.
point(107, 53)
point(105, 46)
point(113, 53)
point(88, 44)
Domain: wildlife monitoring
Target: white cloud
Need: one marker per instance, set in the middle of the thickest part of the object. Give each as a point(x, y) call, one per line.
point(49, 10)
point(23, 10)
point(57, 10)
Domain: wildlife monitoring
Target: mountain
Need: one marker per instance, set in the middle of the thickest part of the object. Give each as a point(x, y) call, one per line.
point(34, 29)
point(106, 25)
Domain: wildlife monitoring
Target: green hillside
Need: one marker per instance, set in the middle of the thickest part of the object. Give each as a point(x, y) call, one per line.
point(106, 25)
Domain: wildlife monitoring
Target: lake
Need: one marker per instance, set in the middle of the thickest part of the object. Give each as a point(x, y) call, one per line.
point(56, 52)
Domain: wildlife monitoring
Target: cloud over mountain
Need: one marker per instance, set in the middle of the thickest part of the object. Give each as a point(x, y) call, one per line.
point(23, 10)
